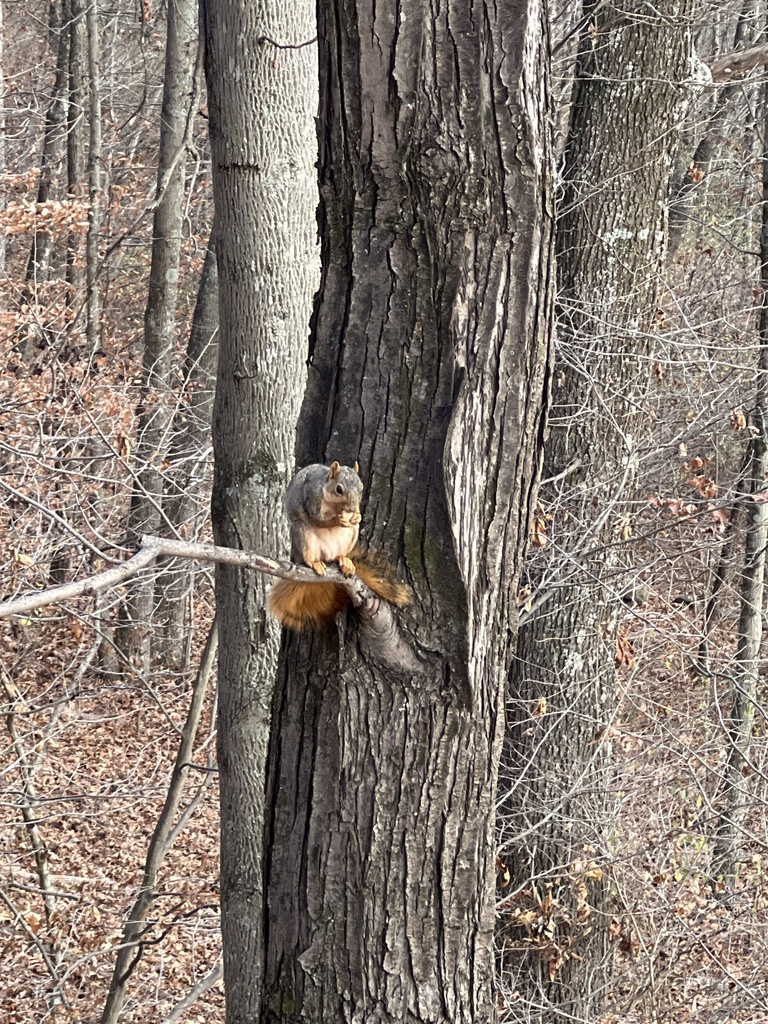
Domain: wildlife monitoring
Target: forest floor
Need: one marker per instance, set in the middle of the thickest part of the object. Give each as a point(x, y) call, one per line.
point(689, 952)
point(92, 759)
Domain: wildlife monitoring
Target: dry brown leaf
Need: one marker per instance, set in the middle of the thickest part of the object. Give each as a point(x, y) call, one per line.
point(539, 537)
point(539, 708)
point(19, 558)
point(738, 420)
point(695, 172)
point(707, 488)
point(625, 651)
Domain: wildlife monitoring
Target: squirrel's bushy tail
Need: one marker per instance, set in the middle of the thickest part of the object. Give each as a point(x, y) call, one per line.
point(305, 605)
point(314, 605)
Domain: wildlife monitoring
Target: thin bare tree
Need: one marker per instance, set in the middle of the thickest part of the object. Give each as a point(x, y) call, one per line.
point(261, 67)
point(159, 366)
point(739, 717)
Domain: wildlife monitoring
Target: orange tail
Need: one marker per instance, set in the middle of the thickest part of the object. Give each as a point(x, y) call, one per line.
point(314, 605)
point(306, 605)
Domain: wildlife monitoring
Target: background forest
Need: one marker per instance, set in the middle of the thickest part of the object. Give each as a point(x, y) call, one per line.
point(630, 862)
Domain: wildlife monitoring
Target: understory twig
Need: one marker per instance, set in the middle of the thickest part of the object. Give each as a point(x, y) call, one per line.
point(29, 799)
point(131, 946)
point(194, 993)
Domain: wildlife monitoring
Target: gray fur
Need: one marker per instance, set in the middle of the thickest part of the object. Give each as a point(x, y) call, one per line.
point(308, 490)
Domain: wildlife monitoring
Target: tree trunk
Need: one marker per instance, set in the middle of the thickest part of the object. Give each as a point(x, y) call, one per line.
point(93, 294)
point(628, 99)
point(694, 177)
point(78, 57)
point(185, 501)
point(55, 117)
point(42, 248)
point(735, 794)
point(262, 101)
point(159, 371)
point(428, 365)
point(3, 161)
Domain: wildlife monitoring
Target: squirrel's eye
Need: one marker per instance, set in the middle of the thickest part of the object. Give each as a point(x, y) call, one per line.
point(339, 489)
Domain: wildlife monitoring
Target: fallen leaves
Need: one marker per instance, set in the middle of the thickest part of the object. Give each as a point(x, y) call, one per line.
point(625, 650)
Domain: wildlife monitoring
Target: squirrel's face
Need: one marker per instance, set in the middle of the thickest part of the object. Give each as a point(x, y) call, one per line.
point(344, 488)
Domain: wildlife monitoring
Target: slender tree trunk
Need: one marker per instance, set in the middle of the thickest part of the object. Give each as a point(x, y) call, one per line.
point(93, 294)
point(55, 118)
point(185, 502)
point(735, 794)
point(159, 372)
point(76, 160)
point(694, 177)
point(3, 164)
point(41, 251)
point(262, 102)
point(629, 96)
point(428, 365)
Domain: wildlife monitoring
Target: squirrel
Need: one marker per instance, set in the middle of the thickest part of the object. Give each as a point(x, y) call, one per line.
point(323, 508)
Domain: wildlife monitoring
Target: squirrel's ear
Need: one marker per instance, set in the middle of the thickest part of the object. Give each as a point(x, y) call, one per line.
point(357, 467)
point(334, 471)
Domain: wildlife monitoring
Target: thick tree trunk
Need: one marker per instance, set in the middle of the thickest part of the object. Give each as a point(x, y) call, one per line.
point(735, 795)
point(262, 101)
point(159, 373)
point(628, 100)
point(428, 365)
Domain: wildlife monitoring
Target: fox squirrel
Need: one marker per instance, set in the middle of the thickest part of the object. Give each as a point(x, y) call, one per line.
point(323, 508)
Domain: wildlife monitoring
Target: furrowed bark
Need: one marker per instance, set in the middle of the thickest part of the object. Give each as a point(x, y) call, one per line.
point(428, 364)
point(629, 97)
point(728, 850)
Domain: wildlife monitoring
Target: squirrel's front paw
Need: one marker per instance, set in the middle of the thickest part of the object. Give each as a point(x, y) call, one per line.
point(319, 568)
point(349, 518)
point(346, 565)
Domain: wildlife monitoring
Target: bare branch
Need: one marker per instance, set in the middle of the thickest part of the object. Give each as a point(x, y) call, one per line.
point(92, 585)
point(725, 68)
point(50, 514)
point(22, 921)
point(194, 993)
point(152, 548)
point(287, 46)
